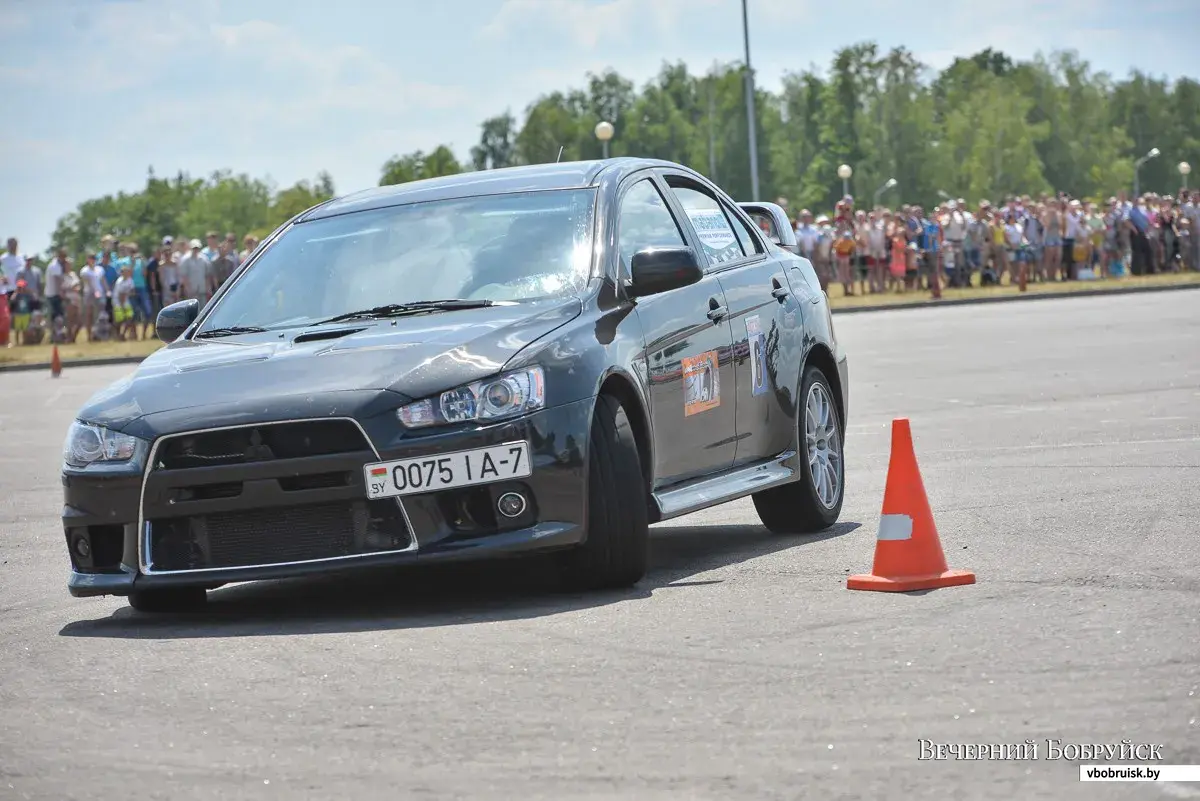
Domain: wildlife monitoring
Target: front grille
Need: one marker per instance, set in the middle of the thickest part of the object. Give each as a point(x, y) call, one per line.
point(279, 535)
point(259, 443)
point(269, 494)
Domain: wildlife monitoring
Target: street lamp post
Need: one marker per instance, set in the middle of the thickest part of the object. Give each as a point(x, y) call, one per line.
point(604, 132)
point(1184, 170)
point(750, 105)
point(1137, 165)
point(844, 172)
point(890, 183)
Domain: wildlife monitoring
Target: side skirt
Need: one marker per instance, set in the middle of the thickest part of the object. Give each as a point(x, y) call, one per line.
point(739, 482)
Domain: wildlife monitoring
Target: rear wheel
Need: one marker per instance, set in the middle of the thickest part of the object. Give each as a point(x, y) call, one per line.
point(815, 501)
point(616, 551)
point(173, 599)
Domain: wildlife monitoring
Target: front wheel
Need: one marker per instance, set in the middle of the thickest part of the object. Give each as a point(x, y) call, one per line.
point(815, 501)
point(617, 549)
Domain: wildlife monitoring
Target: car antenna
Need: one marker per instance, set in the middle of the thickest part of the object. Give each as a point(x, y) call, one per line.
point(560, 151)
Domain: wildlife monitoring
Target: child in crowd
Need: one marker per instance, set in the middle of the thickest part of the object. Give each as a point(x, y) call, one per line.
point(35, 332)
point(21, 306)
point(101, 329)
point(122, 303)
point(843, 248)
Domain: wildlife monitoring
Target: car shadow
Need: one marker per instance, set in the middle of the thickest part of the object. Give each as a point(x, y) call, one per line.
point(440, 595)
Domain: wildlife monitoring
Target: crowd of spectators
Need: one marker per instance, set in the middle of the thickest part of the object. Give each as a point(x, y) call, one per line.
point(115, 293)
point(1021, 240)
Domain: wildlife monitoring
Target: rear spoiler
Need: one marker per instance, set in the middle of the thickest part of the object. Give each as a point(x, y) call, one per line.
point(778, 227)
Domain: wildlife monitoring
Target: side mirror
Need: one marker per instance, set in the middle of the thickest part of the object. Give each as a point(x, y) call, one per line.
point(655, 270)
point(173, 320)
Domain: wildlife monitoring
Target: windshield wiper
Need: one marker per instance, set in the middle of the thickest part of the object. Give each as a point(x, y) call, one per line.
point(401, 309)
point(229, 331)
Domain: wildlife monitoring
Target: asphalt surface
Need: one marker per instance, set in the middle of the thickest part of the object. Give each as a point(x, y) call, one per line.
point(1060, 446)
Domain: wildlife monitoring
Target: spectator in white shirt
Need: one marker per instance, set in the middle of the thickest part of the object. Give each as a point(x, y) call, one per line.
point(10, 265)
point(94, 293)
point(196, 274)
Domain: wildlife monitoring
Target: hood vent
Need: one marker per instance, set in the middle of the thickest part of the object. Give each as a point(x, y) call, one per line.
point(317, 336)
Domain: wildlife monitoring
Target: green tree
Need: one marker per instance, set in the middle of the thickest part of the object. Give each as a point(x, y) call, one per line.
point(986, 126)
point(227, 202)
point(297, 198)
point(497, 143)
point(993, 148)
point(418, 165)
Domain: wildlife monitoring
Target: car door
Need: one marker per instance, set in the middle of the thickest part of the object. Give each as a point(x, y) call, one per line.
point(688, 338)
point(762, 309)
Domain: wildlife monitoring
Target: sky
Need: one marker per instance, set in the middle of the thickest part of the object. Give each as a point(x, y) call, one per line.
point(96, 91)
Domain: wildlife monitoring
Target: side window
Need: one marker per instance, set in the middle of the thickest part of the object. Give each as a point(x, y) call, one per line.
point(749, 243)
point(718, 239)
point(645, 222)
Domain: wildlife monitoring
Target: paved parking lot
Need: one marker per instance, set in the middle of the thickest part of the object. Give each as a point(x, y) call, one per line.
point(1060, 445)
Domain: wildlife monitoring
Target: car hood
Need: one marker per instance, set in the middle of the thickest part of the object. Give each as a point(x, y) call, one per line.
point(411, 356)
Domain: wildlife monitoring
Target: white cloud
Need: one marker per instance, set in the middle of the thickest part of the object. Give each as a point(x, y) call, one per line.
point(589, 24)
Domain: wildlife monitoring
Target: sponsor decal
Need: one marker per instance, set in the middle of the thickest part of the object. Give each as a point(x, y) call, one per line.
point(758, 355)
point(712, 228)
point(701, 383)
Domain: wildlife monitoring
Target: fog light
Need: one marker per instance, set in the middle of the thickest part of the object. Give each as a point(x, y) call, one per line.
point(511, 504)
point(82, 547)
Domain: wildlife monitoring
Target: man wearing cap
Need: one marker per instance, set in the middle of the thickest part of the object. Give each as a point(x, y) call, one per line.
point(31, 274)
point(195, 273)
point(212, 250)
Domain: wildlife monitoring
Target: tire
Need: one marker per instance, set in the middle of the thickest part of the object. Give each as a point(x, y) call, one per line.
point(797, 507)
point(616, 551)
point(174, 599)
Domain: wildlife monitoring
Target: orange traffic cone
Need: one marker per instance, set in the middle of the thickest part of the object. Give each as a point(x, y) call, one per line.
point(55, 363)
point(908, 553)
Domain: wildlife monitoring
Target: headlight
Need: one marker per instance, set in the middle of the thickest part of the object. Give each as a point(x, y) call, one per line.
point(86, 444)
point(494, 399)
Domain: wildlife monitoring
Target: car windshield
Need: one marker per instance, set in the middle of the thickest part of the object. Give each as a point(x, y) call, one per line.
point(511, 247)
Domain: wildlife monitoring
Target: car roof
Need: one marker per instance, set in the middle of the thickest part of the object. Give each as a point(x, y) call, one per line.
point(505, 180)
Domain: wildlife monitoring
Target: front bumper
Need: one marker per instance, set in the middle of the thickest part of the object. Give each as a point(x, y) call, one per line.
point(107, 509)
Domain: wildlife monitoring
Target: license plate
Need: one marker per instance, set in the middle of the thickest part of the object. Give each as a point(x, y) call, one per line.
point(439, 471)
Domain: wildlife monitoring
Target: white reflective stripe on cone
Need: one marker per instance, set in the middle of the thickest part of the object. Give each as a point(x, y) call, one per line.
point(895, 527)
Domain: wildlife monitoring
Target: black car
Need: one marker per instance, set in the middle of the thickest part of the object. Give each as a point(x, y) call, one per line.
point(545, 358)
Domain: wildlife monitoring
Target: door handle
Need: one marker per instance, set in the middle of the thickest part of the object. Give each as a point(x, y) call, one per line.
point(716, 311)
point(777, 290)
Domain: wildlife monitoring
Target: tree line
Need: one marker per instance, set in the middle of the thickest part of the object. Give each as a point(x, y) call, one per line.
point(987, 126)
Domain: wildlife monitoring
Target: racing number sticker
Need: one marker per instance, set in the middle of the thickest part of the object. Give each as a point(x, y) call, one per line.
point(758, 355)
point(701, 383)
